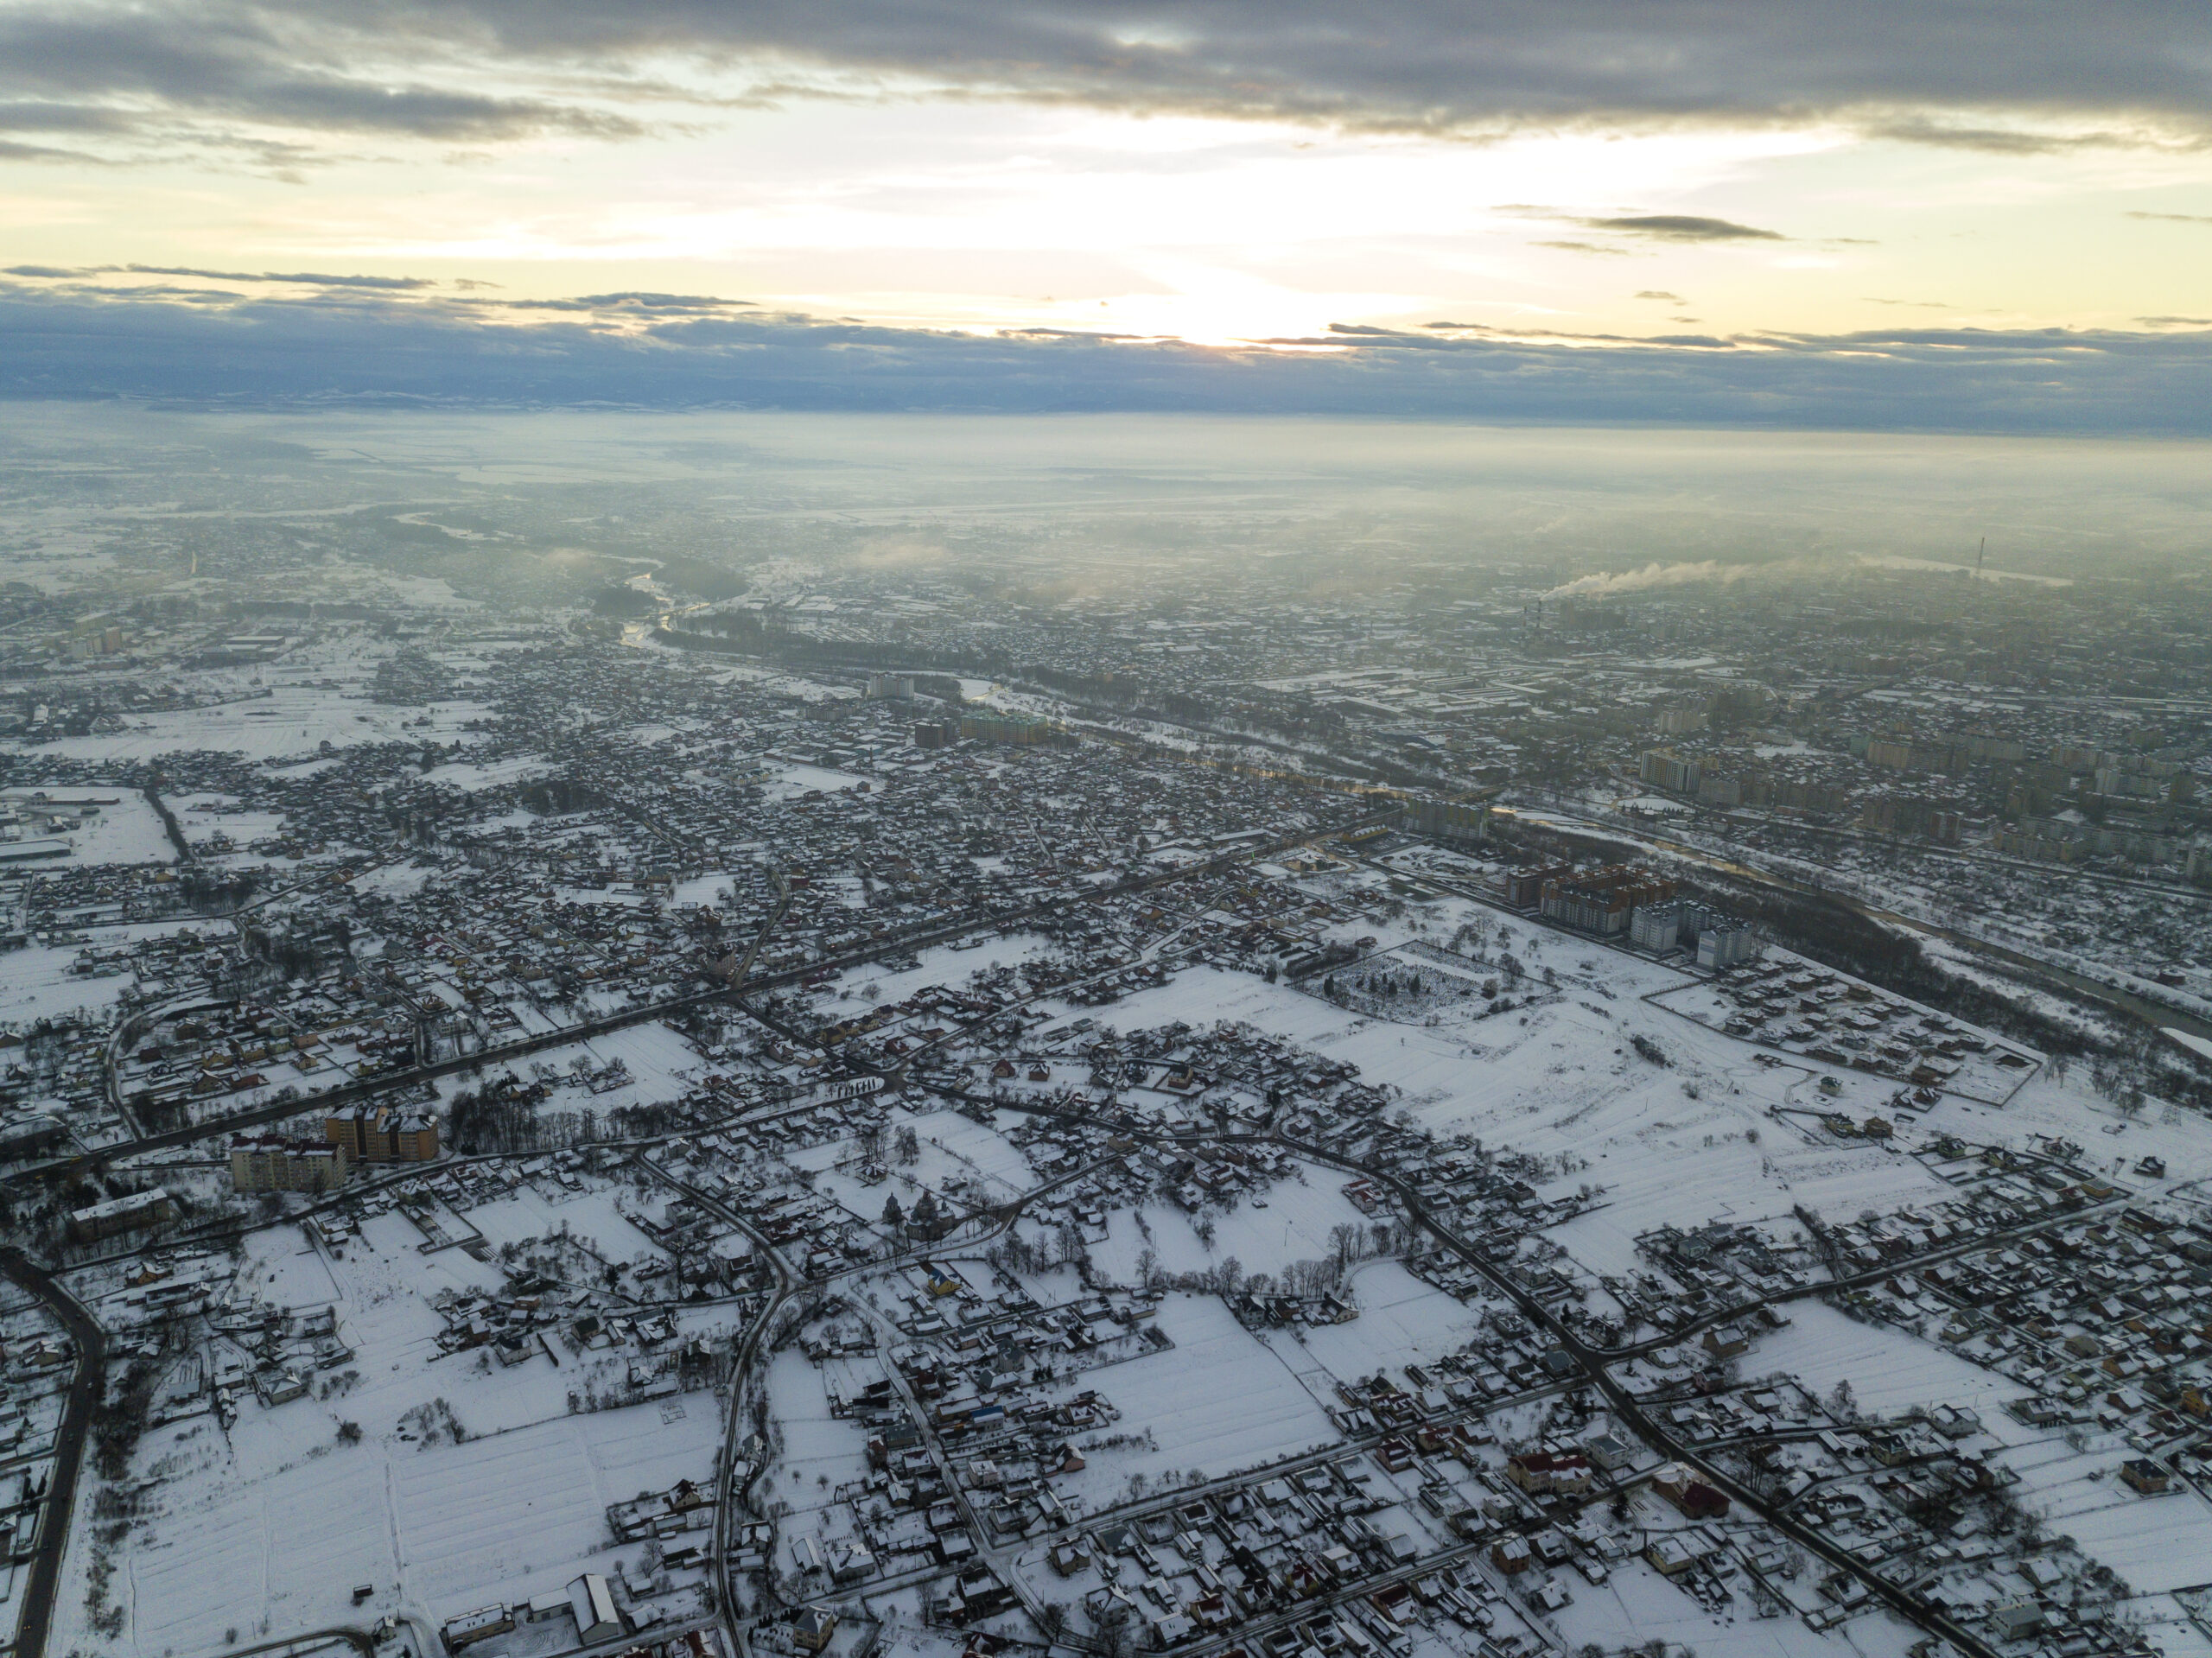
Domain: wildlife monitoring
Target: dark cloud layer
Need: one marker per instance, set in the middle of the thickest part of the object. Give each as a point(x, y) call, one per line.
point(308, 277)
point(1926, 71)
point(361, 348)
point(1681, 227)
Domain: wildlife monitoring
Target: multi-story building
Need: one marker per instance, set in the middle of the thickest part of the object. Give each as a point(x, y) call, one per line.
point(1601, 900)
point(1727, 945)
point(273, 1163)
point(1664, 769)
point(1004, 728)
point(1448, 820)
point(1656, 927)
point(1525, 889)
point(132, 1213)
point(382, 1134)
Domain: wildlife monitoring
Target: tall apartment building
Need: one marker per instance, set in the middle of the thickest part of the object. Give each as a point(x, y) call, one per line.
point(272, 1163)
point(1664, 769)
point(1448, 820)
point(1601, 900)
point(382, 1134)
point(1008, 728)
point(1727, 945)
point(1525, 889)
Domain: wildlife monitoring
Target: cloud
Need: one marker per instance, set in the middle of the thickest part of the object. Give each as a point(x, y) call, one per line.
point(663, 304)
point(1660, 293)
point(319, 279)
point(1681, 227)
point(13, 151)
point(275, 348)
point(2002, 77)
point(1581, 247)
point(201, 75)
point(2176, 218)
point(2020, 140)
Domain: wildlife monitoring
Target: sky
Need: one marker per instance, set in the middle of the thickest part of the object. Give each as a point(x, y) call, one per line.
point(1956, 214)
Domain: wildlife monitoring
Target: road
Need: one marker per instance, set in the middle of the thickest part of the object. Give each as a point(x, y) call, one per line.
point(1594, 1366)
point(488, 1058)
point(35, 1620)
point(1628, 1409)
point(2012, 961)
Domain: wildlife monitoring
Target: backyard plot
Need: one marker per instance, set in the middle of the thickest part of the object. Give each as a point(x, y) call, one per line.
point(1250, 1409)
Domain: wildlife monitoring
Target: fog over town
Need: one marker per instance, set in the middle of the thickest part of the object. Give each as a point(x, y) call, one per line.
point(1031, 829)
point(728, 1033)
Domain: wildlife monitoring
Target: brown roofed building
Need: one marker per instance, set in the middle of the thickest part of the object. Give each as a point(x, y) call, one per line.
point(382, 1134)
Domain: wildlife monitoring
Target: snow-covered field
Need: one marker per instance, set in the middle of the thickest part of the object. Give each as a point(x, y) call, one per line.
point(1247, 1408)
point(267, 1530)
point(1402, 1321)
point(124, 830)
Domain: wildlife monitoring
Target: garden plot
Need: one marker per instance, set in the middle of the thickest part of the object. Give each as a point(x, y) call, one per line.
point(792, 779)
point(36, 984)
point(1990, 1077)
point(1889, 1370)
point(439, 1529)
point(1218, 1401)
point(1402, 1321)
point(2070, 1107)
point(394, 880)
point(1666, 1173)
point(284, 1515)
point(202, 815)
point(1666, 1140)
point(1636, 1605)
point(2155, 1543)
point(291, 722)
point(942, 966)
point(1295, 1225)
point(530, 1215)
point(821, 1452)
point(660, 1065)
point(471, 775)
point(954, 1148)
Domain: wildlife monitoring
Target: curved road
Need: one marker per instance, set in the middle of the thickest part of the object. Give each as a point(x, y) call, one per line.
point(35, 1620)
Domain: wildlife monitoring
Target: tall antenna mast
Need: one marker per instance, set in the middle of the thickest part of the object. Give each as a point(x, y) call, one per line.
point(1978, 556)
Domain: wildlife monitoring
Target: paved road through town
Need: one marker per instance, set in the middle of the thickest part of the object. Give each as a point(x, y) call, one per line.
point(35, 1620)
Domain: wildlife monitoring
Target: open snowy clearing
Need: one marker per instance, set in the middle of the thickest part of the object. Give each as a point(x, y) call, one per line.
point(1250, 1409)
